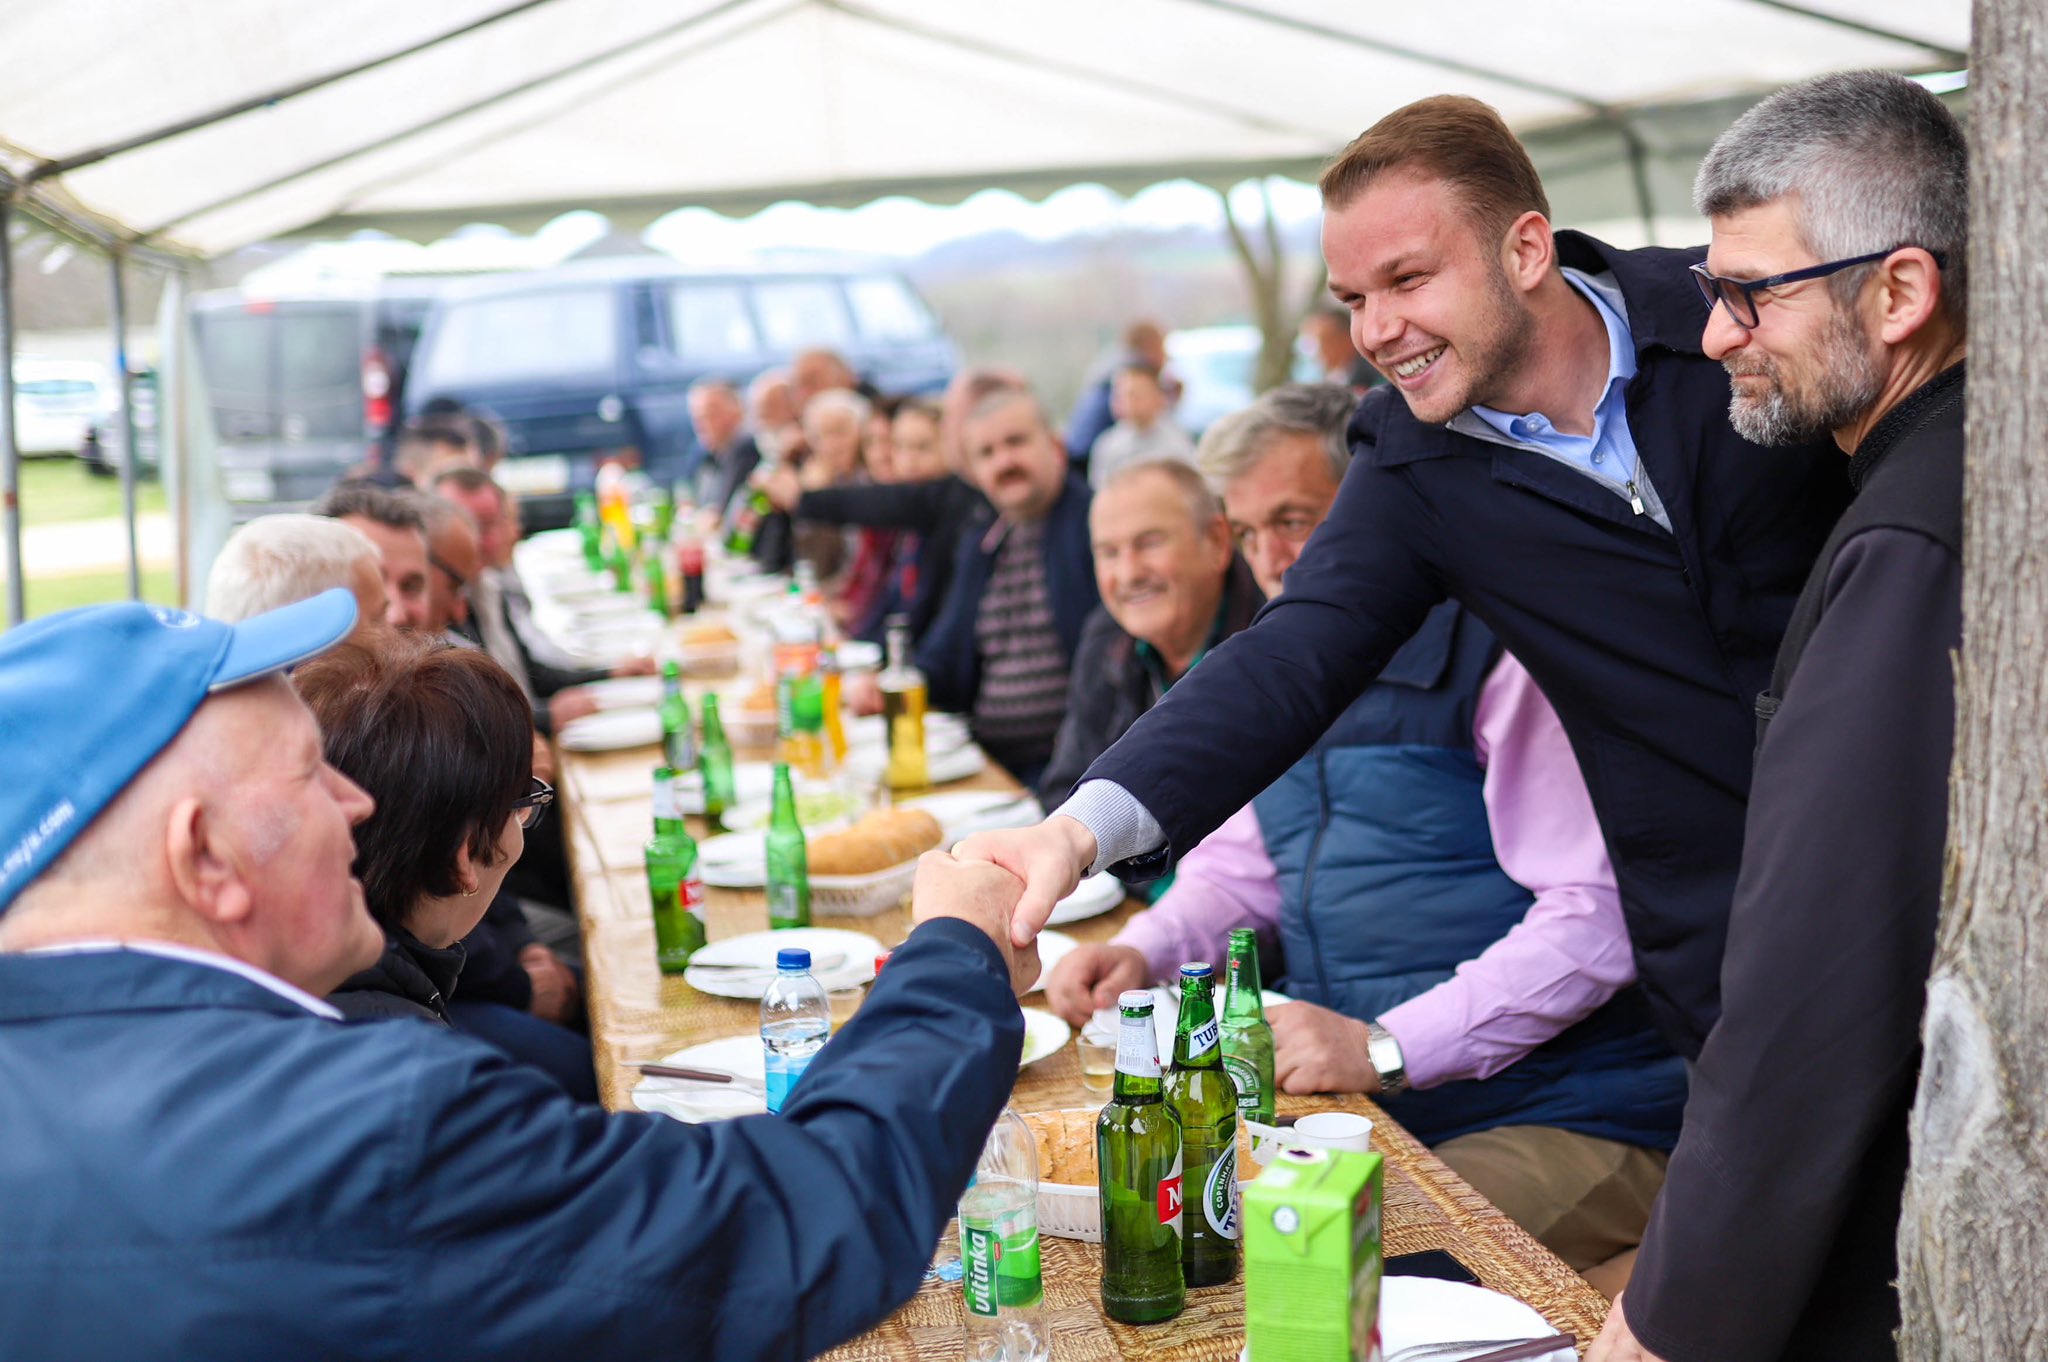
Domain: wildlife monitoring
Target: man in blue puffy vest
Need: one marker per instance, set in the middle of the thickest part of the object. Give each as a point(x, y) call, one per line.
point(202, 1161)
point(1436, 882)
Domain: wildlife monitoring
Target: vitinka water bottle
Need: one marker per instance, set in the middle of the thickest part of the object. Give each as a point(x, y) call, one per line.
point(796, 1019)
point(999, 1249)
point(1137, 1155)
point(1205, 1100)
point(1247, 1035)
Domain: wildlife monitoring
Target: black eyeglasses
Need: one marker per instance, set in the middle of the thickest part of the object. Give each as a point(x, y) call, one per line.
point(1739, 295)
point(461, 582)
point(534, 805)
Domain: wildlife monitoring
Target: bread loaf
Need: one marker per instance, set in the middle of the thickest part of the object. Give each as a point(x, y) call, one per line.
point(881, 839)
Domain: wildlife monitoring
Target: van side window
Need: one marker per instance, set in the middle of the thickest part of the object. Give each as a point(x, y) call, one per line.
point(531, 335)
point(797, 314)
point(887, 311)
point(709, 323)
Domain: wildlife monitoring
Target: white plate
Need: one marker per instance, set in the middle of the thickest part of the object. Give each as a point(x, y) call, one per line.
point(753, 782)
point(684, 1100)
point(868, 763)
point(942, 732)
point(626, 692)
point(1418, 1310)
point(857, 656)
point(694, 1102)
point(759, 948)
point(734, 860)
point(611, 730)
point(1096, 896)
point(1052, 948)
point(1044, 1034)
point(970, 811)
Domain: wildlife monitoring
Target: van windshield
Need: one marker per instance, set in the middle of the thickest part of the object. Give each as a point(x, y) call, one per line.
point(489, 341)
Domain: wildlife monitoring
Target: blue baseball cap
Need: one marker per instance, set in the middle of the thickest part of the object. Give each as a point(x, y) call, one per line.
point(90, 696)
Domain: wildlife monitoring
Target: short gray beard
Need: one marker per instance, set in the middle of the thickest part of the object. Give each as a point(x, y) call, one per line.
point(1850, 379)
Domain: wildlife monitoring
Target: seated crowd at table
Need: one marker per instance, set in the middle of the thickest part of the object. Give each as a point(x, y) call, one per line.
point(1562, 692)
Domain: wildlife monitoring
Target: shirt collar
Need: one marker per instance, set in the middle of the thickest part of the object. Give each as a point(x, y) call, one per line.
point(194, 956)
point(1605, 296)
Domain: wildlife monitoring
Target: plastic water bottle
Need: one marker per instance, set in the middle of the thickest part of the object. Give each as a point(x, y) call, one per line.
point(999, 1249)
point(795, 1020)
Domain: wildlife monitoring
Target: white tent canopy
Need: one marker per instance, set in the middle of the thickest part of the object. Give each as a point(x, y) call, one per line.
point(196, 126)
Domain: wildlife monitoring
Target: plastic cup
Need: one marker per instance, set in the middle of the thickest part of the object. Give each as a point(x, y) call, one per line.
point(1334, 1130)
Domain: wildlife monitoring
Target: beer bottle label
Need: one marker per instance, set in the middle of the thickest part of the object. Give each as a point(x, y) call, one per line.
point(1137, 1048)
point(667, 804)
point(1245, 1075)
point(691, 896)
point(1202, 1039)
point(1219, 1198)
point(1170, 1197)
point(979, 1249)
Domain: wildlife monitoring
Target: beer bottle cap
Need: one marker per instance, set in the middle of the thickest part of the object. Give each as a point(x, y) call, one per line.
point(1196, 969)
point(1136, 997)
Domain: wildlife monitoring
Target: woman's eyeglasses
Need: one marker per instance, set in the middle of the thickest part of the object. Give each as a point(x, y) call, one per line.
point(533, 806)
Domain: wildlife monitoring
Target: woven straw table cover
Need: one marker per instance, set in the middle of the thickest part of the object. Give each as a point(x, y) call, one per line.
point(637, 1015)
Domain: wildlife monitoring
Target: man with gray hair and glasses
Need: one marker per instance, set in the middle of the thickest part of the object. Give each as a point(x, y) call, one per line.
point(1438, 884)
point(1835, 277)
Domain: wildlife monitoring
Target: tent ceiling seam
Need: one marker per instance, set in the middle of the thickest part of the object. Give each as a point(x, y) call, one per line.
point(451, 116)
point(652, 69)
point(1157, 93)
point(93, 156)
point(1821, 16)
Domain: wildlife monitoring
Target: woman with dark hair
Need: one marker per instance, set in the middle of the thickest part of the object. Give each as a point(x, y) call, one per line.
point(442, 738)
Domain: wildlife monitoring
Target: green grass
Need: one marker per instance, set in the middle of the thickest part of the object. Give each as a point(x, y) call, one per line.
point(48, 595)
point(57, 490)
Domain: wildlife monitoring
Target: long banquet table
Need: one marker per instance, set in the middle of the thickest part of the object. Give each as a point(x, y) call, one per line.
point(637, 1015)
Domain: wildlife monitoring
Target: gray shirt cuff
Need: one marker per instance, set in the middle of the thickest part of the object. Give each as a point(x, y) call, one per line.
point(1122, 826)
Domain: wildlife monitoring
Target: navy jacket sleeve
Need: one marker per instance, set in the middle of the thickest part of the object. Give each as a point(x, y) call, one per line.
point(888, 505)
point(1364, 583)
point(1808, 1076)
point(551, 1230)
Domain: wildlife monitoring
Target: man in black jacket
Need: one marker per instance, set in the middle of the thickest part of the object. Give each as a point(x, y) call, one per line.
point(1549, 452)
point(1839, 210)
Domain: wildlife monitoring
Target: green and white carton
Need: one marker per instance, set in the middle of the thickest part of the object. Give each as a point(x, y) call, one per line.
point(1312, 1257)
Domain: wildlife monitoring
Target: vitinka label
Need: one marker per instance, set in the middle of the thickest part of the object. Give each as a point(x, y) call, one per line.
point(979, 1248)
point(1219, 1198)
point(1246, 1076)
point(1202, 1039)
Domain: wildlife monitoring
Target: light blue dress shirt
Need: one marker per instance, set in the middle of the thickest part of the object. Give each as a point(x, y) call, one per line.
point(1608, 455)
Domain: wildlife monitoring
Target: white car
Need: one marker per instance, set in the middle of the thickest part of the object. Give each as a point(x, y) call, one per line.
point(56, 402)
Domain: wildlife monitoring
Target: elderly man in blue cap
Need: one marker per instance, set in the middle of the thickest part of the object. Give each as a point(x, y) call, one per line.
point(199, 1159)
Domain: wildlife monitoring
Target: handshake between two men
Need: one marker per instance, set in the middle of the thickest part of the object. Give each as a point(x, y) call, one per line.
point(1316, 1049)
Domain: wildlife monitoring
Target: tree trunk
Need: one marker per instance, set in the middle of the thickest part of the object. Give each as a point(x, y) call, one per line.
point(1267, 281)
point(1973, 1241)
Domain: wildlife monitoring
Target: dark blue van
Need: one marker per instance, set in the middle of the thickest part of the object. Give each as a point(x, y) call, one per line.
point(596, 358)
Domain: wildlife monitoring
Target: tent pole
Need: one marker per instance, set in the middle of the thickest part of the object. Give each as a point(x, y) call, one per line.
point(10, 458)
point(125, 411)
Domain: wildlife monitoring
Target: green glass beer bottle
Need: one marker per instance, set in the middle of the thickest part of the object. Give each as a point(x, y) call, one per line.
point(1205, 1101)
point(714, 760)
point(589, 530)
point(672, 881)
point(654, 572)
point(789, 875)
point(620, 563)
point(1138, 1168)
point(1247, 1035)
point(678, 738)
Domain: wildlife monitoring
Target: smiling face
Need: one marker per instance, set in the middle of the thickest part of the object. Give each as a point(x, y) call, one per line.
point(1809, 367)
point(1431, 304)
point(918, 455)
point(1160, 574)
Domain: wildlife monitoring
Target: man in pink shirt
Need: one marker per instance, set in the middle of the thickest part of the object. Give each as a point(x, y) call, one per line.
point(1438, 853)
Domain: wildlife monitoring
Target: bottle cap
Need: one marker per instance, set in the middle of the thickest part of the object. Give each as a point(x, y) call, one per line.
point(1196, 969)
point(793, 958)
point(1136, 997)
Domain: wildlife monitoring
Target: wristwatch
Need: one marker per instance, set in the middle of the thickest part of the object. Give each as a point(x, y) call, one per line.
point(1385, 1053)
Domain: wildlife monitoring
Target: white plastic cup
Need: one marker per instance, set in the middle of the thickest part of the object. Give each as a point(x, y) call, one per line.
point(1334, 1130)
